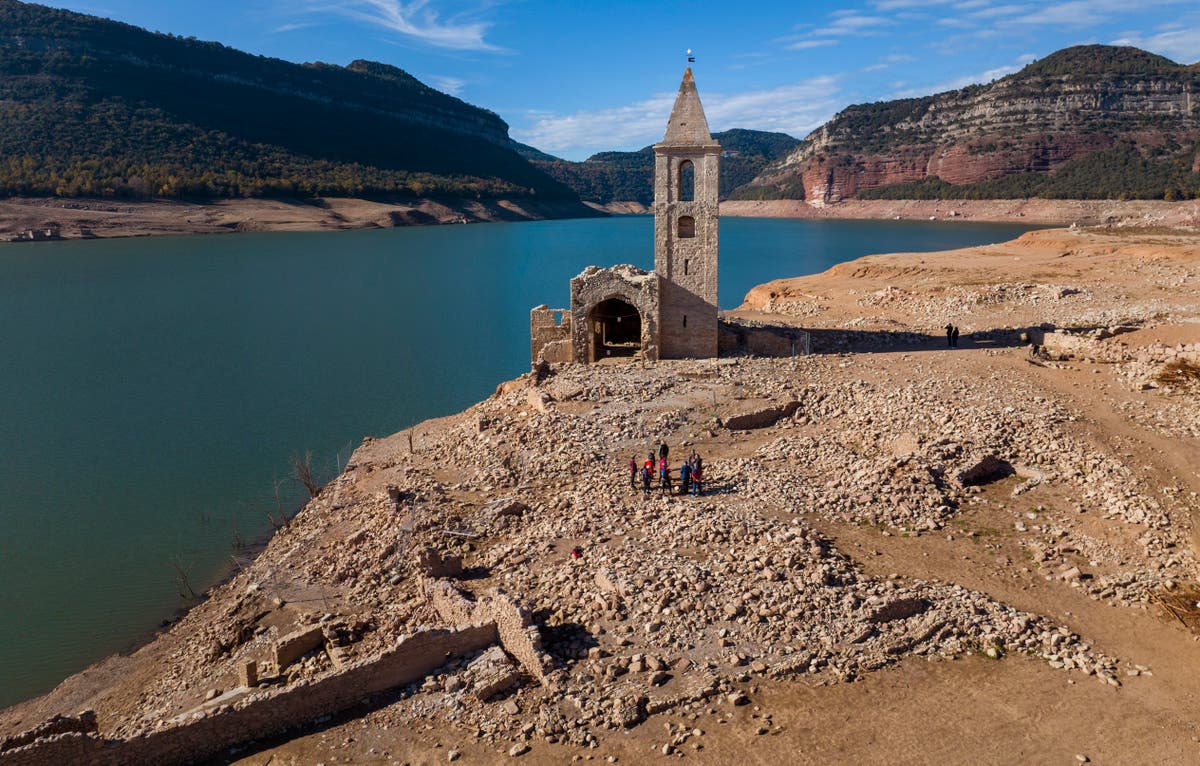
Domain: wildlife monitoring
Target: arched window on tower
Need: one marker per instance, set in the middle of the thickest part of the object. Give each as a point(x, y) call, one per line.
point(687, 227)
point(687, 181)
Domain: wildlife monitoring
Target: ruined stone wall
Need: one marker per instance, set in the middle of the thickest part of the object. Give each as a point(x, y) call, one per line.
point(263, 713)
point(550, 335)
point(629, 283)
point(762, 340)
point(518, 635)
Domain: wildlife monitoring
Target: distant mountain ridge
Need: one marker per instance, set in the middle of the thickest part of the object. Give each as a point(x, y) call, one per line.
point(629, 176)
point(1090, 121)
point(93, 107)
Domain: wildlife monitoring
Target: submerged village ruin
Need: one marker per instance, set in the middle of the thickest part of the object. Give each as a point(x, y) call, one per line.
point(670, 313)
point(878, 503)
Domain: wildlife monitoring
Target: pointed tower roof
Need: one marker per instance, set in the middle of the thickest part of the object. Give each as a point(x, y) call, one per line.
point(687, 126)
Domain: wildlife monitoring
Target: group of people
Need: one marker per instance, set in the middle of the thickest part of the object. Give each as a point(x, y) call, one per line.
point(691, 473)
point(951, 335)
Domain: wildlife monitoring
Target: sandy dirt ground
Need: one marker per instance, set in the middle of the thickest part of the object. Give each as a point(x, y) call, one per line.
point(1090, 538)
point(88, 218)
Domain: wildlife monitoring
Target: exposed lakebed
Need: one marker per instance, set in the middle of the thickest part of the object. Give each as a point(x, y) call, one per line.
point(153, 389)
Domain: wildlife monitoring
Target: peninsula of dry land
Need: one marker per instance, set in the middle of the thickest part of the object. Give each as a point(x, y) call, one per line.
point(905, 553)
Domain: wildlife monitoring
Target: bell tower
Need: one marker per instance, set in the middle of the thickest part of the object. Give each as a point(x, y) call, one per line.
point(686, 175)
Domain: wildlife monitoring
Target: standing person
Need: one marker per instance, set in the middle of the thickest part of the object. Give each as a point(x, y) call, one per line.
point(954, 338)
point(685, 478)
point(697, 478)
point(949, 335)
point(646, 474)
point(663, 449)
point(664, 475)
point(633, 469)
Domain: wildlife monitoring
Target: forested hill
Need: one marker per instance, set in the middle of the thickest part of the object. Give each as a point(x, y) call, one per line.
point(1088, 122)
point(92, 107)
point(629, 176)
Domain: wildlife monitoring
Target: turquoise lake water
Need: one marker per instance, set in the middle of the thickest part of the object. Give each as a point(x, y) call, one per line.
point(152, 390)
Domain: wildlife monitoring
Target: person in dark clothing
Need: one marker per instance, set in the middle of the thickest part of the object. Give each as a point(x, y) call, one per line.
point(650, 458)
point(949, 335)
point(685, 478)
point(664, 476)
point(954, 338)
point(633, 469)
point(663, 449)
point(646, 475)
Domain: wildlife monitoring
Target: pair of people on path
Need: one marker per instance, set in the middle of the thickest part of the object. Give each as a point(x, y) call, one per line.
point(951, 336)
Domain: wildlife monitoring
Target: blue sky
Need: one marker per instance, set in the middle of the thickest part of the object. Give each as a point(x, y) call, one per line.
point(580, 77)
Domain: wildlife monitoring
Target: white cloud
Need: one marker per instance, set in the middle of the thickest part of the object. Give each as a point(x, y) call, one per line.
point(803, 45)
point(849, 24)
point(446, 84)
point(961, 82)
point(796, 109)
point(414, 19)
point(1179, 45)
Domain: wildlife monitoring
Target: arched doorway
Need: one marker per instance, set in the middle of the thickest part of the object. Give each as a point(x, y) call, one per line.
point(616, 330)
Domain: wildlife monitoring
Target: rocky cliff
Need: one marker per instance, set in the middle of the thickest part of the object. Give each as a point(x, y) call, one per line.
point(1054, 112)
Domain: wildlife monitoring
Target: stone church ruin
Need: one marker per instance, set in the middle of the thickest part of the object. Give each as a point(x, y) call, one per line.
point(670, 313)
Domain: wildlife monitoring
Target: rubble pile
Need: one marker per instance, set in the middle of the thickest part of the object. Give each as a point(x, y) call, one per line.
point(645, 602)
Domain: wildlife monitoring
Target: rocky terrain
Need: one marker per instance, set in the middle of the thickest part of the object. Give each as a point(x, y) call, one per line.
point(1054, 112)
point(903, 553)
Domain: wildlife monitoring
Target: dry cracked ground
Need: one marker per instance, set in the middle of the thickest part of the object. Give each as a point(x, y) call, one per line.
point(933, 556)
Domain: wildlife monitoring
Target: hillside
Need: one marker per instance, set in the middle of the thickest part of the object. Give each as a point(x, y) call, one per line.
point(629, 176)
point(1088, 122)
point(92, 107)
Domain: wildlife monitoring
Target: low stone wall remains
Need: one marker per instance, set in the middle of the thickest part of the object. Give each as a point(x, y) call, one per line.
point(264, 713)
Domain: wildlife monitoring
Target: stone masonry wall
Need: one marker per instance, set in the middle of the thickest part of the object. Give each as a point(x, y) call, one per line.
point(687, 265)
point(263, 713)
point(550, 335)
point(629, 283)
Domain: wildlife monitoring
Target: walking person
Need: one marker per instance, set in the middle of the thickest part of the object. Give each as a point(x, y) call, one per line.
point(633, 469)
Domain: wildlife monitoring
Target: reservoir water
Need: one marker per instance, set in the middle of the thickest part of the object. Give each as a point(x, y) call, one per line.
point(152, 390)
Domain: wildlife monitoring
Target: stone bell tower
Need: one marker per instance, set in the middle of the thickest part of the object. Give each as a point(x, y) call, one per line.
point(686, 174)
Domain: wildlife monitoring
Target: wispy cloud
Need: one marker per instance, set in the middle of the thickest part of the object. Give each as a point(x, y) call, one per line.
point(451, 85)
point(965, 80)
point(1180, 45)
point(417, 19)
point(803, 45)
point(796, 108)
point(839, 25)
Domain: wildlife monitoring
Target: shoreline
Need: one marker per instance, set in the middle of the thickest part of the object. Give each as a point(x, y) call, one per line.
point(52, 219)
point(1057, 276)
